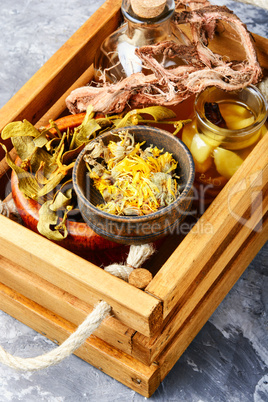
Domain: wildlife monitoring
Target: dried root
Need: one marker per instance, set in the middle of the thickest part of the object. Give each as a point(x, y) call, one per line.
point(202, 67)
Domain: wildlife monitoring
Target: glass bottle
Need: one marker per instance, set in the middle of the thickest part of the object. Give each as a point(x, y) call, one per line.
point(219, 151)
point(116, 56)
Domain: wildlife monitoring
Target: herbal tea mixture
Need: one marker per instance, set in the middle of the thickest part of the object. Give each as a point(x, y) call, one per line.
point(47, 156)
point(132, 181)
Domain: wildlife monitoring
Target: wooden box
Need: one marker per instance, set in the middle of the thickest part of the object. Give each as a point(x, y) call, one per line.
point(52, 290)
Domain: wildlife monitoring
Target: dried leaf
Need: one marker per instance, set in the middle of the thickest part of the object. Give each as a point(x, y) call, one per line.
point(70, 156)
point(52, 183)
point(48, 132)
point(39, 175)
point(48, 220)
point(24, 146)
point(104, 122)
point(54, 142)
point(26, 181)
point(62, 225)
point(19, 129)
point(157, 112)
point(50, 154)
point(40, 140)
point(62, 168)
point(41, 156)
point(59, 150)
point(61, 200)
point(88, 116)
point(86, 132)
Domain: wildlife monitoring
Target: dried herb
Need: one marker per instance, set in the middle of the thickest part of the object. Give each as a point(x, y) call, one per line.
point(48, 156)
point(132, 181)
point(49, 223)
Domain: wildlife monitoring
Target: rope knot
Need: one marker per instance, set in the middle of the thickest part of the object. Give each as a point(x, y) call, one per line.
point(136, 257)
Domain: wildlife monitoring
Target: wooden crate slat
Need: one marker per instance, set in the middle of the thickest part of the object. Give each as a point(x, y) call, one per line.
point(201, 250)
point(126, 369)
point(228, 43)
point(63, 68)
point(79, 277)
point(117, 364)
point(59, 107)
point(144, 348)
point(53, 113)
point(62, 303)
point(148, 350)
point(261, 46)
point(212, 299)
point(67, 287)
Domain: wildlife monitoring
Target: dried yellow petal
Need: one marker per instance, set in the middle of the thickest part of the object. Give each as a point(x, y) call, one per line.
point(134, 182)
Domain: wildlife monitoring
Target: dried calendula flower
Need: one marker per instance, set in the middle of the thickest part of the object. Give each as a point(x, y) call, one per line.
point(47, 156)
point(132, 181)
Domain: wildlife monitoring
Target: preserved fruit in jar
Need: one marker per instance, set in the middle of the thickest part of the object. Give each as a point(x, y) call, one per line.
point(219, 150)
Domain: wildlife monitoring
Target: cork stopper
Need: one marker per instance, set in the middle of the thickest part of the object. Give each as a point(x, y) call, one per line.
point(148, 8)
point(140, 278)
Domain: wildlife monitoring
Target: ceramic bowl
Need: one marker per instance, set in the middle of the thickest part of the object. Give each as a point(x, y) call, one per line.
point(137, 229)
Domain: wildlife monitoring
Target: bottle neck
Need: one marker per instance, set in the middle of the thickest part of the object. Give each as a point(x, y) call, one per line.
point(142, 35)
point(147, 31)
point(131, 16)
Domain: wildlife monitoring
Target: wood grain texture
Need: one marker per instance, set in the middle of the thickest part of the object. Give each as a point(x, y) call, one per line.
point(63, 303)
point(175, 325)
point(212, 298)
point(203, 254)
point(54, 78)
point(122, 367)
point(117, 364)
point(193, 279)
point(79, 277)
point(59, 107)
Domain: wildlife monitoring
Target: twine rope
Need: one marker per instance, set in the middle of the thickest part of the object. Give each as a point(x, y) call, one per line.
point(136, 257)
point(76, 339)
point(8, 208)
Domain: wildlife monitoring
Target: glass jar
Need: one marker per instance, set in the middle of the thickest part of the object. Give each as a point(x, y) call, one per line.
point(219, 151)
point(116, 58)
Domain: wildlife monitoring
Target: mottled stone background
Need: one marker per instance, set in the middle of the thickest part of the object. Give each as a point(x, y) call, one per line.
point(228, 360)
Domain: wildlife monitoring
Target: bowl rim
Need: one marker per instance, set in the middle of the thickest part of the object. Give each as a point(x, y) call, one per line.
point(153, 215)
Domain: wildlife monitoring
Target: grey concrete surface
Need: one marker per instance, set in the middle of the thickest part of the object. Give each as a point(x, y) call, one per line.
point(228, 359)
